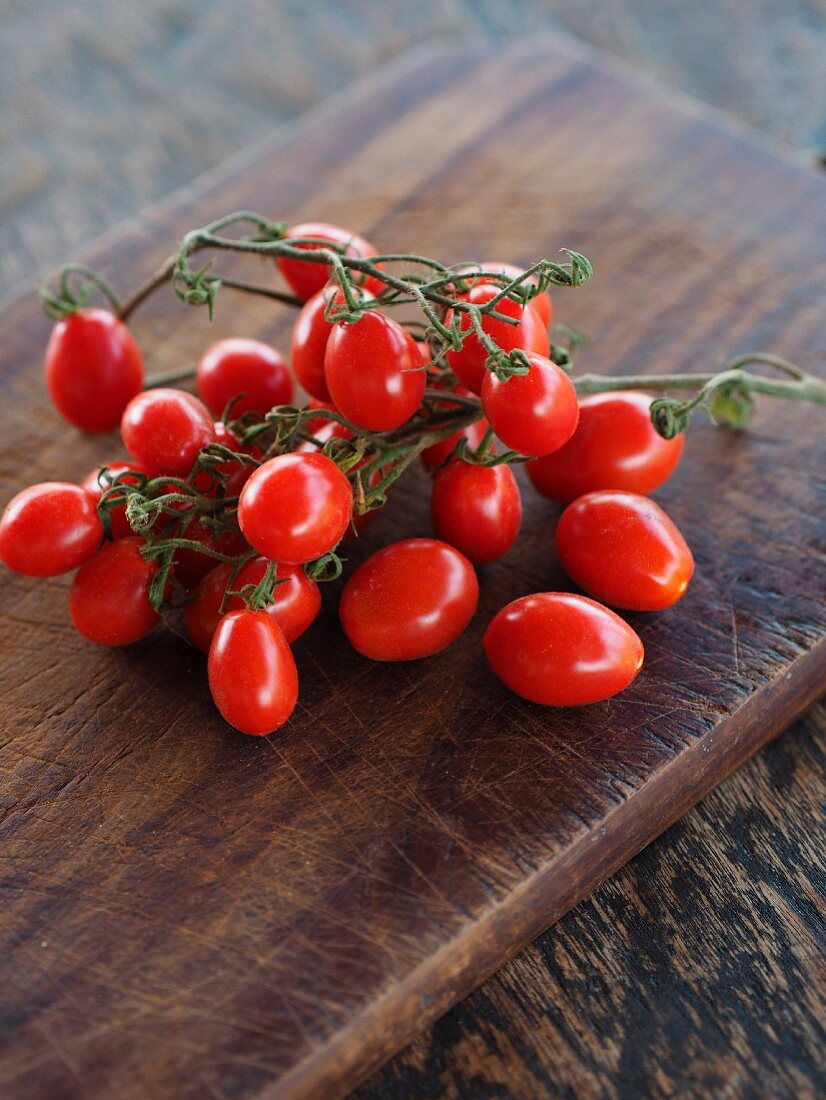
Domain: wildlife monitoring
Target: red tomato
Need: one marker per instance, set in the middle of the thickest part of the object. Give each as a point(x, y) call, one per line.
point(307, 279)
point(615, 447)
point(295, 507)
point(468, 364)
point(241, 366)
point(311, 332)
point(408, 600)
point(374, 372)
point(533, 413)
point(624, 550)
point(165, 429)
point(562, 650)
point(190, 565)
point(436, 456)
point(109, 599)
point(48, 529)
point(93, 369)
point(297, 600)
point(96, 482)
point(477, 509)
point(542, 302)
point(252, 674)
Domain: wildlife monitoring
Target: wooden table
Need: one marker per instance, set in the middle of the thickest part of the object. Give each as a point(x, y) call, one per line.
point(567, 1015)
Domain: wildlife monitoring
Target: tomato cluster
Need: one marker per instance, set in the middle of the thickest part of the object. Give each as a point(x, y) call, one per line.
point(231, 505)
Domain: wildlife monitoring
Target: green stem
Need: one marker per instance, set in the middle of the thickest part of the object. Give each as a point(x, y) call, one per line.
point(805, 387)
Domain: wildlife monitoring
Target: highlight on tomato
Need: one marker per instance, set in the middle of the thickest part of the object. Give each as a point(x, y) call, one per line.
point(48, 529)
point(624, 550)
point(109, 598)
point(374, 372)
point(615, 446)
point(408, 600)
point(252, 674)
point(477, 509)
point(534, 413)
point(248, 373)
point(93, 369)
point(164, 429)
point(559, 649)
point(295, 507)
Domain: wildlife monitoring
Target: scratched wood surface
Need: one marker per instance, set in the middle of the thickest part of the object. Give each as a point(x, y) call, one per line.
point(187, 911)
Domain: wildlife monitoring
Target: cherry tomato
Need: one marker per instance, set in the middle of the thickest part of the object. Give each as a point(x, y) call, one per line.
point(477, 509)
point(297, 600)
point(614, 447)
point(96, 482)
point(311, 332)
point(562, 650)
point(165, 429)
point(252, 674)
point(307, 279)
point(190, 565)
point(624, 550)
point(533, 413)
point(468, 363)
point(240, 366)
point(374, 372)
point(436, 456)
point(408, 600)
point(48, 529)
point(93, 369)
point(542, 302)
point(109, 599)
point(295, 507)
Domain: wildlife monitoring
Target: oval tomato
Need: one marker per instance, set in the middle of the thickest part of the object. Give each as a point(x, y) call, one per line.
point(245, 369)
point(311, 332)
point(477, 509)
point(408, 600)
point(374, 372)
point(562, 650)
point(468, 363)
point(295, 507)
point(308, 278)
point(252, 674)
point(297, 600)
point(109, 599)
point(623, 549)
point(93, 369)
point(534, 413)
point(164, 430)
point(615, 446)
point(48, 529)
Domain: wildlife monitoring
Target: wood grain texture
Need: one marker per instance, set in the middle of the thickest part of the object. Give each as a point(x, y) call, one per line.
point(696, 971)
point(125, 101)
point(274, 918)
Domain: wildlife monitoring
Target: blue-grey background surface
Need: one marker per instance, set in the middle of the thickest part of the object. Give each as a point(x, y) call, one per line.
point(106, 105)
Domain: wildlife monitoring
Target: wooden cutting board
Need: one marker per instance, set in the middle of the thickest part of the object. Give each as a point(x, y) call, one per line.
point(189, 912)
